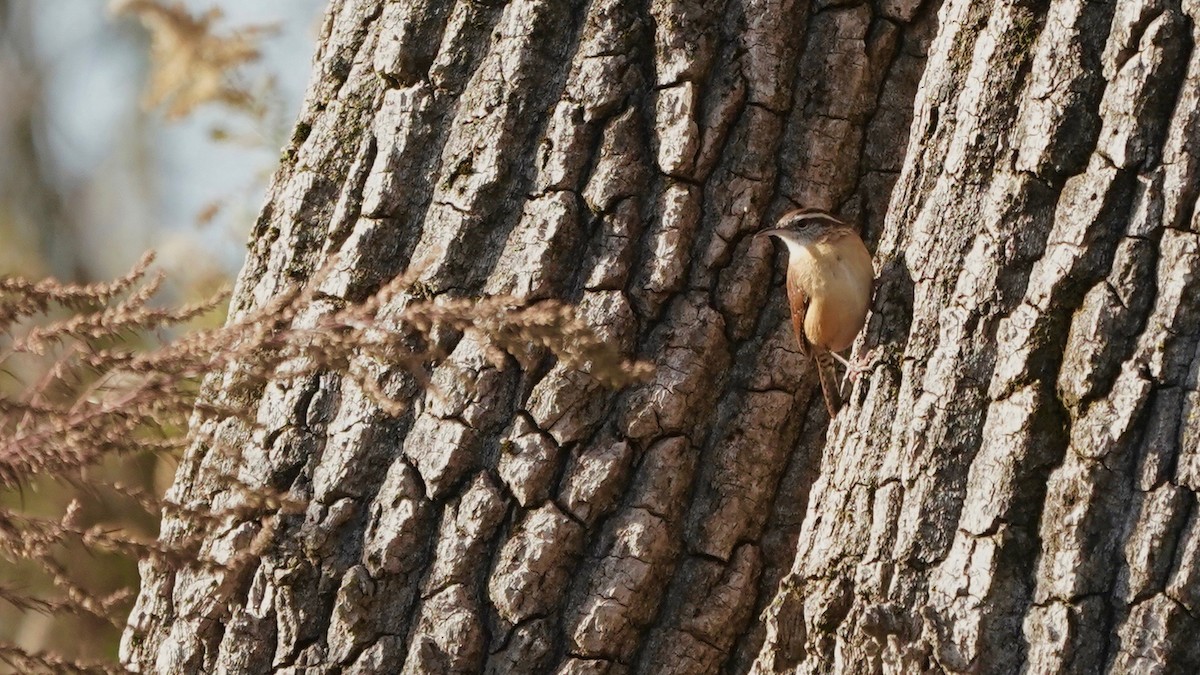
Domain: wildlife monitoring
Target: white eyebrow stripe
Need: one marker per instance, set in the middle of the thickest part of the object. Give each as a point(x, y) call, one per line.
point(813, 214)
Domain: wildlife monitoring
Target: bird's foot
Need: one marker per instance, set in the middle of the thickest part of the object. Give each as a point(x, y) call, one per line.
point(863, 364)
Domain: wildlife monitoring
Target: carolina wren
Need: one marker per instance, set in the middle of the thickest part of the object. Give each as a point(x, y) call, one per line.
point(829, 282)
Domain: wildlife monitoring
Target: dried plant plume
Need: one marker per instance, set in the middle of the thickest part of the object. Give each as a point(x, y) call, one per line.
point(79, 384)
point(191, 63)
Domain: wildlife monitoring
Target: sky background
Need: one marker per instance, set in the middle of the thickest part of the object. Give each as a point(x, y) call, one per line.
point(123, 179)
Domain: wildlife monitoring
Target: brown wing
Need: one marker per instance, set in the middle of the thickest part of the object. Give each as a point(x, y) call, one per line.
point(799, 304)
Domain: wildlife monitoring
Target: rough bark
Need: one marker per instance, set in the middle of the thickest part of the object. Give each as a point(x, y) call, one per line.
point(1017, 490)
point(1012, 487)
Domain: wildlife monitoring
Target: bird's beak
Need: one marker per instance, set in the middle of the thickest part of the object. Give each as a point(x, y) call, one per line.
point(769, 232)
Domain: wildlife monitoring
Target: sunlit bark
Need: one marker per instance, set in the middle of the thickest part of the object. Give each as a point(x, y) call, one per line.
point(1011, 487)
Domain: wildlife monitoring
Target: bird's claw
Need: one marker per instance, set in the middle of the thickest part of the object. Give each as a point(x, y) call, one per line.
point(863, 364)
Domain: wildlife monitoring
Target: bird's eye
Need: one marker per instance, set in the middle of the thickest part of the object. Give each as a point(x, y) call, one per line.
point(801, 225)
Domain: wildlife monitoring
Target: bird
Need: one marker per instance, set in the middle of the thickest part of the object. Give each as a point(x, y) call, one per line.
point(830, 277)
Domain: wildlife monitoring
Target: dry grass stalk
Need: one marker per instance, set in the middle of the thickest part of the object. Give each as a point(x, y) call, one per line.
point(23, 661)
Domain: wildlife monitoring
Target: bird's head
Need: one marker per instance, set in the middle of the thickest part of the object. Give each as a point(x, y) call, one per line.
point(804, 227)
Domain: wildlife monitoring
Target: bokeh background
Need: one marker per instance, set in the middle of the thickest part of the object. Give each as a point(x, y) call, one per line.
point(91, 176)
point(125, 128)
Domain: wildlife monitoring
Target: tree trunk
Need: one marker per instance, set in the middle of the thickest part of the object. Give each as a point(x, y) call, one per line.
point(1012, 486)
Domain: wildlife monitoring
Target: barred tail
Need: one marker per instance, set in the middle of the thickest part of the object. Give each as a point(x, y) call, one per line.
point(829, 383)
